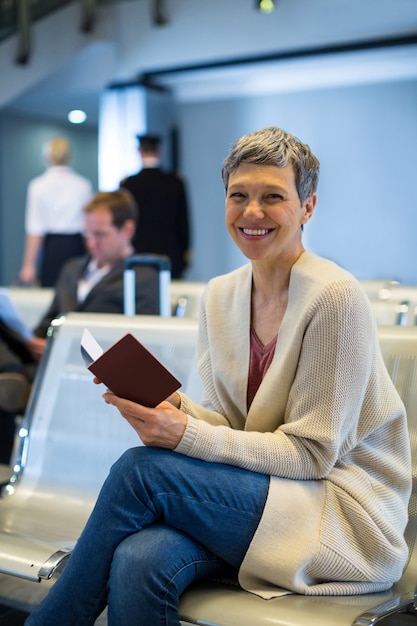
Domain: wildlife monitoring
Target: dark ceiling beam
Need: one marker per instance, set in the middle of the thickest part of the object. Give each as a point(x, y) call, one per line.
point(159, 13)
point(23, 31)
point(88, 15)
point(147, 78)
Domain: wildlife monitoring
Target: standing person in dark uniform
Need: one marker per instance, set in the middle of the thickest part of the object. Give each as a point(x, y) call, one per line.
point(163, 210)
point(54, 216)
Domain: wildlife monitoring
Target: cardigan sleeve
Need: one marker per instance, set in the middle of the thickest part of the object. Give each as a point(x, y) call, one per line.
point(341, 392)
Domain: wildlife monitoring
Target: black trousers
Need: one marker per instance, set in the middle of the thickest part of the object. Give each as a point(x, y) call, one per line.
point(57, 250)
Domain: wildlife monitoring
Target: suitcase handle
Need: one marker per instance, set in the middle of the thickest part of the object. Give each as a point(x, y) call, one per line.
point(163, 264)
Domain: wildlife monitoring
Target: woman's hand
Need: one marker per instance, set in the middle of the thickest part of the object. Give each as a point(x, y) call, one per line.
point(161, 427)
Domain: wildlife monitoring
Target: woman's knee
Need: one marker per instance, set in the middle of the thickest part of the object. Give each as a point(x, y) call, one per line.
point(140, 455)
point(153, 561)
point(149, 572)
point(160, 557)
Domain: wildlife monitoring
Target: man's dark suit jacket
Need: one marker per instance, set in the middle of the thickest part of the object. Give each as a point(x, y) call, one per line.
point(163, 226)
point(105, 297)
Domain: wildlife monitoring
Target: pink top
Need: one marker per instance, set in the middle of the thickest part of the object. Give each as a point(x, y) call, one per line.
point(260, 359)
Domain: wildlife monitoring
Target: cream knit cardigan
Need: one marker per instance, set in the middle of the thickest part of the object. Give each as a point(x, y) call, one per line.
point(326, 424)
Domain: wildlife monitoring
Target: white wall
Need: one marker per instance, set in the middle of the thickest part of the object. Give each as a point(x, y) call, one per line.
point(365, 138)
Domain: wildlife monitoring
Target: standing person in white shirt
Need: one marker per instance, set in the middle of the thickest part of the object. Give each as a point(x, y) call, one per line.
point(54, 216)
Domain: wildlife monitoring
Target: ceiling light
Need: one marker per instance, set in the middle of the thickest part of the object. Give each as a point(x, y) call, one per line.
point(266, 6)
point(77, 116)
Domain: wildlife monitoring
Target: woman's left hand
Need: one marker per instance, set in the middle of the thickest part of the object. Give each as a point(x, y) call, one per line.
point(161, 427)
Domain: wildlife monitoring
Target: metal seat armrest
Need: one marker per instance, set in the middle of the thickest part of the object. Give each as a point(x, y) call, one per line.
point(55, 562)
point(27, 557)
point(395, 605)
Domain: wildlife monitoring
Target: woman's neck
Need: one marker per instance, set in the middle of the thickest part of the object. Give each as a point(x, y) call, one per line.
point(270, 284)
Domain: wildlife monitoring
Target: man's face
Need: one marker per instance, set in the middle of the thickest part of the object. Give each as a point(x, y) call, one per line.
point(106, 244)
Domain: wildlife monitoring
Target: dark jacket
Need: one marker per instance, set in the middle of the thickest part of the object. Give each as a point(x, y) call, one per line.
point(105, 297)
point(163, 226)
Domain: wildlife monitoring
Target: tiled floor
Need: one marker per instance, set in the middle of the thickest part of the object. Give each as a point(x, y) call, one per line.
point(11, 617)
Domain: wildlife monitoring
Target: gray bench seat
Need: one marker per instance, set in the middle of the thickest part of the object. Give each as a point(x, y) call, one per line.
point(72, 438)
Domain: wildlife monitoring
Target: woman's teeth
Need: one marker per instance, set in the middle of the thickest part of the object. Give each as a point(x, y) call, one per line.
point(256, 231)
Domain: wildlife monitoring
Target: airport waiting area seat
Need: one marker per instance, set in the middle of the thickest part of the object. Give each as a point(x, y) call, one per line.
point(392, 302)
point(70, 438)
point(373, 287)
point(185, 298)
point(402, 295)
point(388, 312)
point(31, 302)
point(68, 441)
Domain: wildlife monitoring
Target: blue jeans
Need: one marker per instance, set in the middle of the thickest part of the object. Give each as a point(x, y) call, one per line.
point(162, 520)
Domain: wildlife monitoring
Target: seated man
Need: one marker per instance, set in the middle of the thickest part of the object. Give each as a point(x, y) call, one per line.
point(92, 283)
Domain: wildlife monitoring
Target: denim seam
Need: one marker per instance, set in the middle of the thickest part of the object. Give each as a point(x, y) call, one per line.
point(184, 567)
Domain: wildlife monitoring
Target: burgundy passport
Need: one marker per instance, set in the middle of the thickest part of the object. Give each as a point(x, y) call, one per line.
point(130, 371)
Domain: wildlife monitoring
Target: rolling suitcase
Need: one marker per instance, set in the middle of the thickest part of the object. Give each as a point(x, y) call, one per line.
point(163, 265)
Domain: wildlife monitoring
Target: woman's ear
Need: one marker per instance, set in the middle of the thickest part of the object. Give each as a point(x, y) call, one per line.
point(309, 206)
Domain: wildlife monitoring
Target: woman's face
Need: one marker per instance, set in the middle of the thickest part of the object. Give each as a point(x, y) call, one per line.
point(264, 213)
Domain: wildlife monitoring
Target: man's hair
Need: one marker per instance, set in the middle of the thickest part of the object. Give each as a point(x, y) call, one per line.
point(273, 146)
point(57, 151)
point(149, 143)
point(120, 203)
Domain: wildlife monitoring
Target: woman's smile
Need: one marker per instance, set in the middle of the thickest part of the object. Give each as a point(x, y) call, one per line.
point(256, 232)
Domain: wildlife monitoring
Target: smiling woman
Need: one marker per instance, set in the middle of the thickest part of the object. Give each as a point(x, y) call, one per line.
point(299, 414)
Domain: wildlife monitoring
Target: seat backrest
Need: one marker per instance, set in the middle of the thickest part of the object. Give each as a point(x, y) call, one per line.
point(399, 293)
point(70, 437)
point(373, 287)
point(402, 294)
point(31, 302)
point(399, 350)
point(74, 437)
point(389, 312)
point(185, 298)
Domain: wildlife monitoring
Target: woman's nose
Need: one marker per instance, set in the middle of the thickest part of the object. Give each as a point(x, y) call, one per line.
point(254, 207)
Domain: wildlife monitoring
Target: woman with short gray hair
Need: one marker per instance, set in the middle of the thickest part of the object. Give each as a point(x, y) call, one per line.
point(294, 470)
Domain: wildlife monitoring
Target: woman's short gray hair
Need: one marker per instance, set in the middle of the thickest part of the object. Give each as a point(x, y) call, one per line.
point(273, 146)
